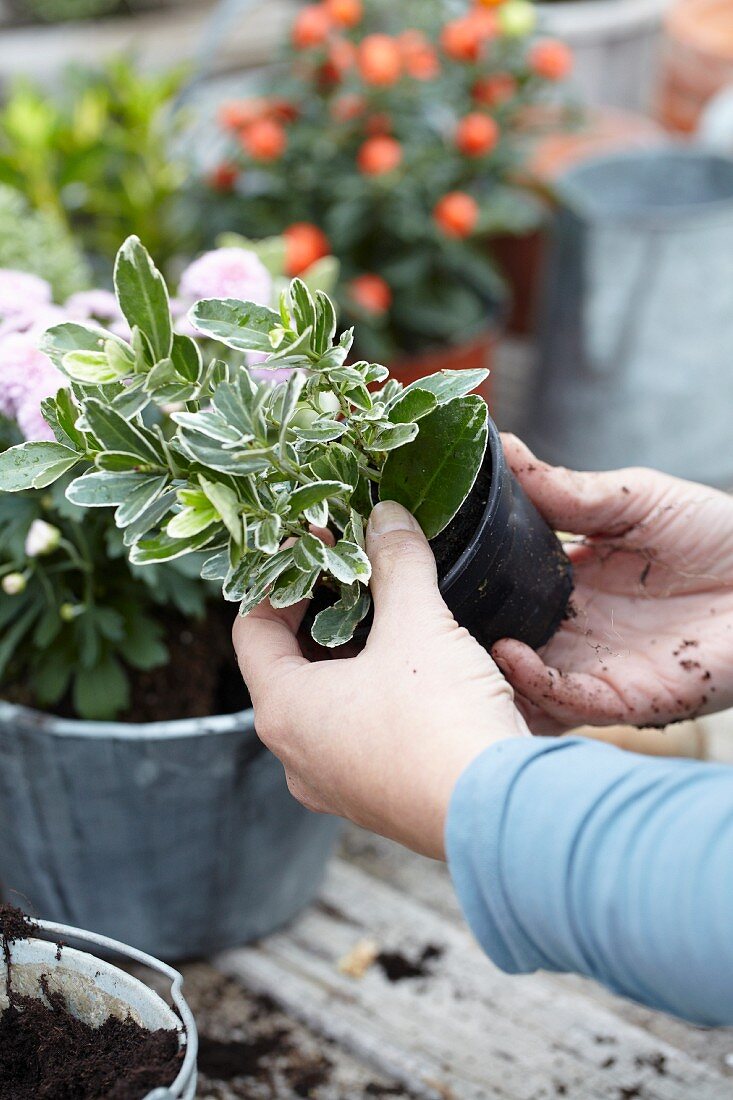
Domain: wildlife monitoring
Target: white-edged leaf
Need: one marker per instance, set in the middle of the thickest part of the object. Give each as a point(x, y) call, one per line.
point(143, 297)
point(34, 465)
point(267, 534)
point(139, 500)
point(348, 563)
point(310, 553)
point(335, 625)
point(391, 436)
point(306, 496)
point(243, 326)
point(164, 548)
point(292, 586)
point(103, 488)
point(449, 384)
point(227, 505)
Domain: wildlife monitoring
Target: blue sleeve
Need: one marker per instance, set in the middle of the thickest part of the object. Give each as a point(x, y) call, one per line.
point(571, 855)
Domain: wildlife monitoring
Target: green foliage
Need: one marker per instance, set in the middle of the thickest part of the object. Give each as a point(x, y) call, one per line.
point(246, 465)
point(98, 157)
point(39, 243)
point(59, 11)
point(73, 622)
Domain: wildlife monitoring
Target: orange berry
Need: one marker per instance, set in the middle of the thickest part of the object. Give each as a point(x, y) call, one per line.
point(456, 214)
point(284, 110)
point(311, 27)
point(379, 155)
point(340, 57)
point(345, 13)
point(348, 107)
point(378, 123)
point(487, 3)
point(239, 113)
point(371, 293)
point(460, 39)
point(490, 91)
point(380, 61)
point(305, 244)
point(224, 177)
point(476, 134)
point(265, 139)
point(550, 59)
point(485, 23)
point(422, 64)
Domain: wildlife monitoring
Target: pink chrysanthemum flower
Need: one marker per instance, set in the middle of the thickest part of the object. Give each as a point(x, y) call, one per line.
point(226, 273)
point(21, 293)
point(93, 305)
point(27, 376)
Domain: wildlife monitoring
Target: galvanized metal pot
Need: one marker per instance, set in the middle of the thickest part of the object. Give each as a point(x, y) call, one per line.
point(636, 326)
point(95, 990)
point(178, 837)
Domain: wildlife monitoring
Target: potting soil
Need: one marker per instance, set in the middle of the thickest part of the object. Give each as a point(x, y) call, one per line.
point(47, 1054)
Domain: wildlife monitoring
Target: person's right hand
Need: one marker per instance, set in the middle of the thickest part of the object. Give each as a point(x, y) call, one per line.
point(651, 637)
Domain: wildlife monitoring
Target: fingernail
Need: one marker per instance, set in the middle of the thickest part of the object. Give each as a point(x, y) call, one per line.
point(388, 516)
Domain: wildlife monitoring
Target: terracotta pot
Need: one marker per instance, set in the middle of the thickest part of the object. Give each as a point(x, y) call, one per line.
point(473, 355)
point(604, 130)
point(697, 60)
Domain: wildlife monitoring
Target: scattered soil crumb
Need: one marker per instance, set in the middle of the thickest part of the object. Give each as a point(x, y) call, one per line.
point(608, 1063)
point(226, 1060)
point(690, 666)
point(633, 1092)
point(303, 1077)
point(657, 1062)
point(398, 968)
point(361, 958)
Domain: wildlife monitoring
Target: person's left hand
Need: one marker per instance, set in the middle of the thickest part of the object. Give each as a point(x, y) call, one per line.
point(383, 737)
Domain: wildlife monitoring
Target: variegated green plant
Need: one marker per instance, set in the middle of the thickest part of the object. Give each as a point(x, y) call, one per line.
point(246, 465)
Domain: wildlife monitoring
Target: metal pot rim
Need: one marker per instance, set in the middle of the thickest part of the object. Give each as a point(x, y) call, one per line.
point(570, 194)
point(241, 722)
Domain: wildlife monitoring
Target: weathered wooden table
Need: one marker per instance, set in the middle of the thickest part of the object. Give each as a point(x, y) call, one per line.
point(281, 1020)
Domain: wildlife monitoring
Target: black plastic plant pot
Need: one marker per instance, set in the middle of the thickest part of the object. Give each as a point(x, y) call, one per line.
point(503, 572)
point(511, 578)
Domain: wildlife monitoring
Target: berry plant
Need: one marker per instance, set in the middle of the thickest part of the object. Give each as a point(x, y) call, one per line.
point(237, 478)
point(393, 139)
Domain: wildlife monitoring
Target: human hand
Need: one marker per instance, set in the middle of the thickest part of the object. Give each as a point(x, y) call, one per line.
point(380, 738)
point(651, 639)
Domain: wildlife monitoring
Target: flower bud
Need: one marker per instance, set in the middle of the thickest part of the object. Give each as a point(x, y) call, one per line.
point(70, 611)
point(42, 538)
point(13, 584)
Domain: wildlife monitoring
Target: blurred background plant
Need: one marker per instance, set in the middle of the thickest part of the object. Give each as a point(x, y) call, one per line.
point(99, 156)
point(393, 137)
point(59, 11)
point(36, 241)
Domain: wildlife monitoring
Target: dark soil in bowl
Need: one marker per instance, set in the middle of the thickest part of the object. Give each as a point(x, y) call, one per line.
point(48, 1054)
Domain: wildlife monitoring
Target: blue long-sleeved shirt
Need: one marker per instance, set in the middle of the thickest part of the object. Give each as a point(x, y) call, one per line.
point(572, 855)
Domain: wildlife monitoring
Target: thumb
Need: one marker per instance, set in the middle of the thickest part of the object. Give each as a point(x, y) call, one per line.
point(404, 577)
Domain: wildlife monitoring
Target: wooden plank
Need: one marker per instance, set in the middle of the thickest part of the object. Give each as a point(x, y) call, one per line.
point(249, 1049)
point(429, 882)
point(466, 1031)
